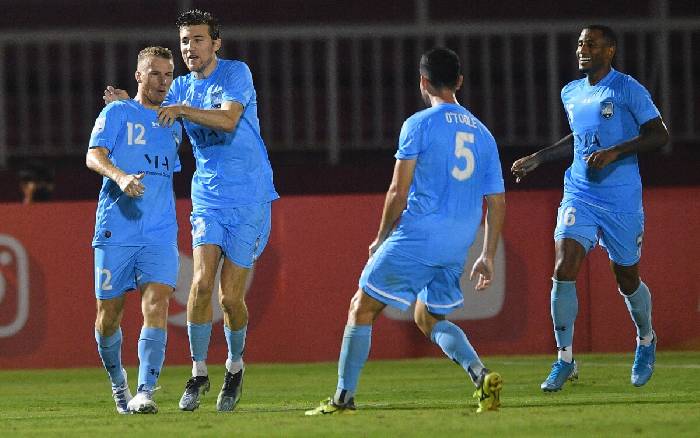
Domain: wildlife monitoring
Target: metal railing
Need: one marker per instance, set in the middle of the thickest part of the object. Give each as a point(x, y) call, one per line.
point(336, 88)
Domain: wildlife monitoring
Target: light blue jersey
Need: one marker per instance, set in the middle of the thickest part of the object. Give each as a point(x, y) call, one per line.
point(600, 116)
point(232, 167)
point(457, 164)
point(137, 144)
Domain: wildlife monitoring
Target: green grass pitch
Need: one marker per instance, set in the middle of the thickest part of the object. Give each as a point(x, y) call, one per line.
point(396, 398)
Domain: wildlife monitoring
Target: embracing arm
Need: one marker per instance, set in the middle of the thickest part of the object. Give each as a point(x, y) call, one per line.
point(224, 119)
point(395, 202)
point(495, 216)
point(97, 160)
point(558, 151)
point(652, 135)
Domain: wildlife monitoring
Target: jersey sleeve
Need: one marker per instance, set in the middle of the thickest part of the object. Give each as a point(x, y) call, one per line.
point(238, 84)
point(493, 176)
point(410, 140)
point(108, 126)
point(639, 102)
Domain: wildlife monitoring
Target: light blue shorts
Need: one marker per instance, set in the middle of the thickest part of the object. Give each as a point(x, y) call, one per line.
point(396, 280)
point(241, 232)
point(119, 269)
point(619, 233)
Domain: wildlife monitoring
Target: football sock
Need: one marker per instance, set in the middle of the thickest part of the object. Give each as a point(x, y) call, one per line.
point(110, 349)
point(151, 356)
point(639, 306)
point(564, 304)
point(456, 346)
point(354, 351)
point(566, 354)
point(199, 335)
point(236, 343)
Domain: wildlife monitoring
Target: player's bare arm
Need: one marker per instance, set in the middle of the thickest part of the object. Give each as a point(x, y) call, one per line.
point(395, 201)
point(558, 151)
point(112, 94)
point(97, 160)
point(652, 135)
point(224, 119)
point(495, 216)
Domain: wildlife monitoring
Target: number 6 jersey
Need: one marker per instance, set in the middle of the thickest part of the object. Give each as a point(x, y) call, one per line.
point(137, 144)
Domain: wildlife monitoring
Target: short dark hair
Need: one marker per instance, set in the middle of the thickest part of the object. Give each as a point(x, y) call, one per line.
point(193, 17)
point(441, 67)
point(608, 33)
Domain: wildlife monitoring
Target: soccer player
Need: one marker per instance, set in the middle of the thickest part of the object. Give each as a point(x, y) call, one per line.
point(447, 163)
point(135, 239)
point(612, 119)
point(232, 190)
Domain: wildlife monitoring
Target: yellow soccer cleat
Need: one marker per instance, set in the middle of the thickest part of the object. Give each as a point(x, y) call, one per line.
point(489, 392)
point(328, 407)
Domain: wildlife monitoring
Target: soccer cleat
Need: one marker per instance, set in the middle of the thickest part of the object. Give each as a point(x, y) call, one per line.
point(122, 395)
point(230, 392)
point(195, 388)
point(488, 394)
point(143, 403)
point(561, 372)
point(327, 406)
point(644, 359)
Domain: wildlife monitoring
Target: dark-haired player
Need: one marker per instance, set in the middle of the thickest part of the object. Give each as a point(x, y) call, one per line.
point(612, 118)
point(447, 163)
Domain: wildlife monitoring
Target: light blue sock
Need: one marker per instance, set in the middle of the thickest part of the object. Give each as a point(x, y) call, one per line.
point(456, 346)
point(639, 305)
point(110, 349)
point(564, 305)
point(199, 335)
point(236, 342)
point(357, 340)
point(151, 356)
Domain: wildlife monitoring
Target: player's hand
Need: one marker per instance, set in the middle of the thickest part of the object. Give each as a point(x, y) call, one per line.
point(601, 158)
point(168, 114)
point(374, 246)
point(524, 165)
point(112, 94)
point(483, 267)
point(131, 185)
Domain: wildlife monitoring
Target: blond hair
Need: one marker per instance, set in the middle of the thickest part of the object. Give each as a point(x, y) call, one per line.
point(161, 52)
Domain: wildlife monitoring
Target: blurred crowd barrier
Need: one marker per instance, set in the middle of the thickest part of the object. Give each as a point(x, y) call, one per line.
point(302, 285)
point(335, 88)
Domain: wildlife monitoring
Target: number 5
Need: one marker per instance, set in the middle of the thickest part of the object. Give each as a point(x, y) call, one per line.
point(462, 151)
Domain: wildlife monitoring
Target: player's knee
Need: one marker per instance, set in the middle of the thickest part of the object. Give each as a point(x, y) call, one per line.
point(360, 313)
point(565, 271)
point(229, 303)
point(107, 322)
point(202, 289)
point(425, 320)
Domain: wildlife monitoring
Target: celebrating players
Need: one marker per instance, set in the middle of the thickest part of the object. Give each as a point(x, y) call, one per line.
point(447, 163)
point(135, 239)
point(612, 118)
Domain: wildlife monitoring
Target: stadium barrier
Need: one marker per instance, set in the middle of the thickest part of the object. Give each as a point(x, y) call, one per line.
point(302, 285)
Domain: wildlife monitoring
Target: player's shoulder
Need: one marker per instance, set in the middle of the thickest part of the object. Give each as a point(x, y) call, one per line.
point(573, 86)
point(233, 66)
point(116, 108)
point(625, 82)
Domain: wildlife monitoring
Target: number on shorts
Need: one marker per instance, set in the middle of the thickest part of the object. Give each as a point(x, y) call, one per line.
point(107, 283)
point(568, 216)
point(462, 151)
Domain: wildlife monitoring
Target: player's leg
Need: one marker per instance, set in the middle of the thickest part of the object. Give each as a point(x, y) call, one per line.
point(232, 300)
point(442, 296)
point(247, 232)
point(205, 259)
point(622, 238)
point(388, 279)
point(112, 280)
point(576, 233)
point(354, 351)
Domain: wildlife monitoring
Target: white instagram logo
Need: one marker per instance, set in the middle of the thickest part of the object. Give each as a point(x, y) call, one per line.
point(11, 251)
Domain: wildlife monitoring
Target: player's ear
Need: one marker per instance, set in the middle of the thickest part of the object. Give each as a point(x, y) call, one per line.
point(460, 81)
point(217, 44)
point(137, 75)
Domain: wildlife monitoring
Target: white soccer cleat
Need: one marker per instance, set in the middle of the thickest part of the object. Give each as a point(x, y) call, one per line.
point(122, 395)
point(143, 403)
